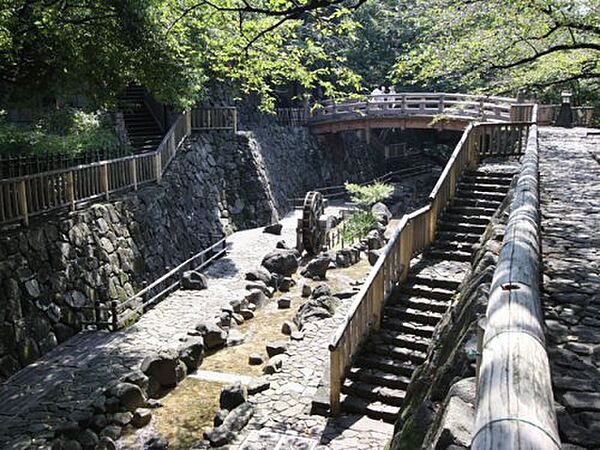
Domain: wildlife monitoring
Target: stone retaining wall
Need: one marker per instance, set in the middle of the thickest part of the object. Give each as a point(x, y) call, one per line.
point(218, 183)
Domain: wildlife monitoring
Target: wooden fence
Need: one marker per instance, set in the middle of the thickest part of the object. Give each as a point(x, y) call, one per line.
point(292, 116)
point(116, 315)
point(31, 195)
point(221, 118)
point(415, 232)
point(583, 116)
point(515, 406)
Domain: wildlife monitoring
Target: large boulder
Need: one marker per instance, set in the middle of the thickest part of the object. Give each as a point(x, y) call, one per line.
point(164, 368)
point(382, 213)
point(214, 336)
point(375, 240)
point(317, 267)
point(281, 261)
point(193, 280)
point(256, 297)
point(130, 396)
point(316, 308)
point(259, 274)
point(191, 352)
point(232, 396)
point(273, 229)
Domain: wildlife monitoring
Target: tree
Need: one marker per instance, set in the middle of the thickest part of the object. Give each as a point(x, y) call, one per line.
point(54, 48)
point(501, 45)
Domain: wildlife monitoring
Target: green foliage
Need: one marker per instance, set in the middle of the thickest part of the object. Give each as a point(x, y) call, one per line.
point(51, 49)
point(367, 195)
point(358, 225)
point(66, 131)
point(498, 46)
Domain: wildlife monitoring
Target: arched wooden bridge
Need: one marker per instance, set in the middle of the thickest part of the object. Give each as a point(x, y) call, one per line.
point(413, 110)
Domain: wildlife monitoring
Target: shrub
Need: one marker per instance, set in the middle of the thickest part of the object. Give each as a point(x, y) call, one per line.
point(367, 195)
point(358, 225)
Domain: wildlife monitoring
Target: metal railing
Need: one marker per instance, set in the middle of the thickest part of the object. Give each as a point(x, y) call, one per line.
point(116, 315)
point(413, 234)
point(292, 116)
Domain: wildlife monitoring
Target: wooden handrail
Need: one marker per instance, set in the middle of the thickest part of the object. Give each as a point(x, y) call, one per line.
point(29, 195)
point(515, 407)
point(415, 232)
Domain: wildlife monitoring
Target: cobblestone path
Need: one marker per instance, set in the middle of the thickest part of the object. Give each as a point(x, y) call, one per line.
point(63, 384)
point(570, 203)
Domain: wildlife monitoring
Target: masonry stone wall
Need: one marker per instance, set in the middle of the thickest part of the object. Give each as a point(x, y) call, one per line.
point(218, 183)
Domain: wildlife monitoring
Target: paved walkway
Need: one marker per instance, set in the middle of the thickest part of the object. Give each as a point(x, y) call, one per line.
point(61, 387)
point(570, 197)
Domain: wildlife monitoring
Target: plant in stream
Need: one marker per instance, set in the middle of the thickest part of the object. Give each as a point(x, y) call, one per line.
point(365, 196)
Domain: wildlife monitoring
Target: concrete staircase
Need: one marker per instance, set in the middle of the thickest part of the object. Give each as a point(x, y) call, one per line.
point(376, 384)
point(142, 128)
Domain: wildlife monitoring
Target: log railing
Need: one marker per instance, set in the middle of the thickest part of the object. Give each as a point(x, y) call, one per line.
point(515, 406)
point(422, 104)
point(415, 232)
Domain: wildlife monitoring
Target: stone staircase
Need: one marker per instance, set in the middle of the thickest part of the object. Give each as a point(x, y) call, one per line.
point(142, 128)
point(376, 383)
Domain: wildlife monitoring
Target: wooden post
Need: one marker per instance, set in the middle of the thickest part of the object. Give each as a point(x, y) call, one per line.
point(104, 179)
point(115, 318)
point(158, 166)
point(235, 119)
point(70, 190)
point(133, 173)
point(334, 381)
point(97, 316)
point(22, 196)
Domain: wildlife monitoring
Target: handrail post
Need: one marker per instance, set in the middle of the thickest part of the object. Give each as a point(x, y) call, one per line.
point(235, 119)
point(22, 197)
point(133, 173)
point(70, 190)
point(158, 167)
point(334, 381)
point(104, 179)
point(115, 318)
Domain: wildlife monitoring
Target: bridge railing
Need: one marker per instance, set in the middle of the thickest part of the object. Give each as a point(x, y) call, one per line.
point(218, 118)
point(413, 234)
point(422, 104)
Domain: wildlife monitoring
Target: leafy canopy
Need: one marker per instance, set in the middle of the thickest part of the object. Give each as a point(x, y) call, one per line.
point(367, 195)
point(177, 48)
point(501, 45)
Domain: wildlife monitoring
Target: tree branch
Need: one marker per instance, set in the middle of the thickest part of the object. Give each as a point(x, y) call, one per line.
point(548, 51)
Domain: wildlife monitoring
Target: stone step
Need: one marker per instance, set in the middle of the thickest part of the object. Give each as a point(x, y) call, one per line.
point(461, 227)
point(488, 174)
point(378, 377)
point(448, 255)
point(425, 291)
point(374, 410)
point(466, 247)
point(477, 202)
point(417, 329)
point(405, 312)
point(399, 354)
point(444, 283)
point(471, 238)
point(398, 339)
point(471, 211)
point(481, 195)
point(491, 188)
point(485, 179)
point(374, 392)
point(477, 220)
point(387, 364)
point(423, 304)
